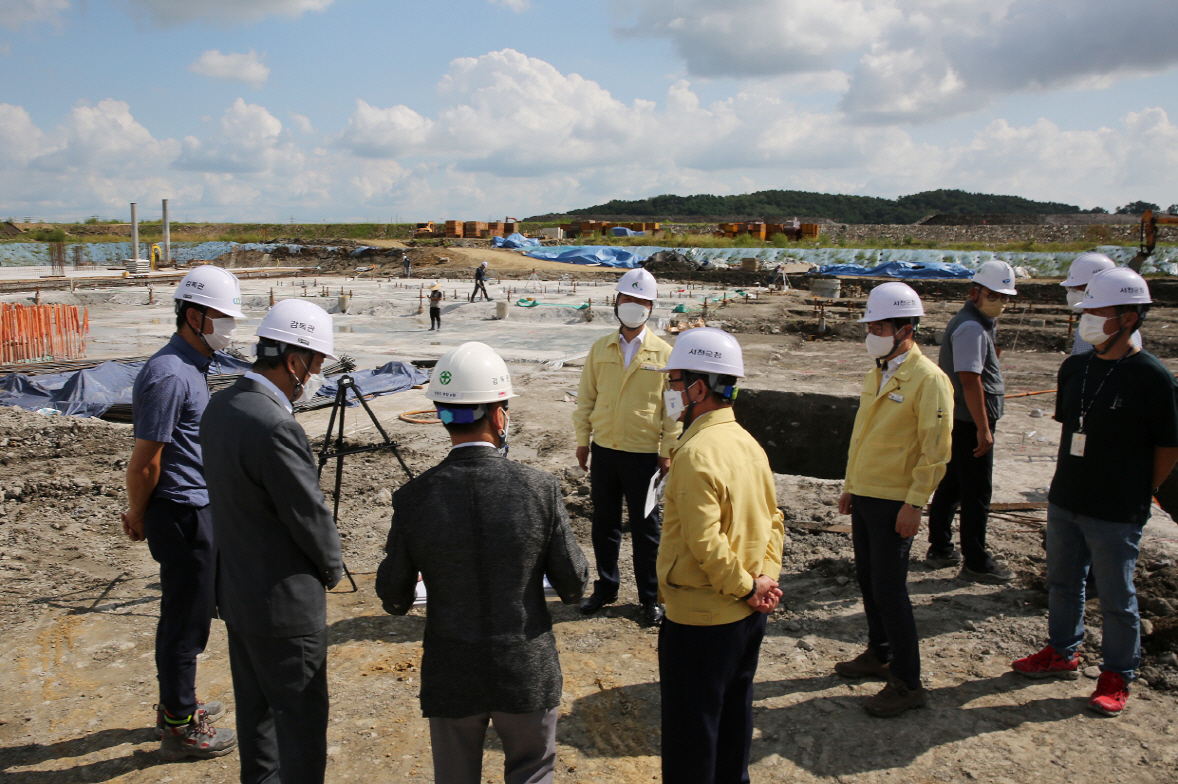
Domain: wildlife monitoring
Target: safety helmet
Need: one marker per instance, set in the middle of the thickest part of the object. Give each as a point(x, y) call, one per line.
point(638, 283)
point(706, 350)
point(1116, 286)
point(297, 322)
point(212, 287)
point(1085, 266)
point(892, 300)
point(471, 373)
point(996, 276)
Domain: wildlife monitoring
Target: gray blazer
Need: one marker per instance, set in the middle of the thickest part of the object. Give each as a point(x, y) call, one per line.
point(277, 546)
point(483, 531)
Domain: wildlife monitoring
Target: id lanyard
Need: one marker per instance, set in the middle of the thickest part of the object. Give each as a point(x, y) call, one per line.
point(1080, 438)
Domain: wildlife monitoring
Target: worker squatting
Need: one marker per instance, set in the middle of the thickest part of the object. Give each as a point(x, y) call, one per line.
point(226, 493)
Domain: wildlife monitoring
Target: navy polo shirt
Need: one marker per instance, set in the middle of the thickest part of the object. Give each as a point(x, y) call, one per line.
point(168, 400)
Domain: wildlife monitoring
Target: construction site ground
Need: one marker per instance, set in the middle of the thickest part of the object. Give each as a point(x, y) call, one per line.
point(79, 602)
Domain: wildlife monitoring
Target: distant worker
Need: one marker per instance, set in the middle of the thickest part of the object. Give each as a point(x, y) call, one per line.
point(621, 423)
point(969, 356)
point(718, 565)
point(484, 532)
point(480, 284)
point(1080, 273)
point(1119, 443)
point(435, 308)
point(277, 546)
point(899, 448)
point(168, 503)
point(408, 264)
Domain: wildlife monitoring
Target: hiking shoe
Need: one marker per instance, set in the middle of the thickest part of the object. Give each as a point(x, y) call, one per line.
point(1047, 663)
point(1110, 696)
point(995, 575)
point(205, 711)
point(865, 665)
point(197, 739)
point(940, 559)
point(895, 698)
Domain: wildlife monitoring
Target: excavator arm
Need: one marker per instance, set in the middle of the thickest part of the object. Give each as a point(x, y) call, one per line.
point(1149, 236)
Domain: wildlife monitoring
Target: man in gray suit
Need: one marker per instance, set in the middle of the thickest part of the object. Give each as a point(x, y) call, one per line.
point(277, 548)
point(483, 532)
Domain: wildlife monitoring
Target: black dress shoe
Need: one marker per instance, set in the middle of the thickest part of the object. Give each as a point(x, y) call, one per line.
point(652, 614)
point(596, 601)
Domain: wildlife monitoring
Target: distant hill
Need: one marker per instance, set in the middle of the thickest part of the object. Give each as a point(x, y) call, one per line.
point(840, 208)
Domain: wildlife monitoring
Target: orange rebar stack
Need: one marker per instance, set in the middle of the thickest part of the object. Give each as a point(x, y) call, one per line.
point(36, 333)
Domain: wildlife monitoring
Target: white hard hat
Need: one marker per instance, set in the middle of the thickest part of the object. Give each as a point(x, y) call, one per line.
point(892, 300)
point(706, 350)
point(297, 322)
point(1116, 286)
point(471, 373)
point(638, 283)
point(484, 263)
point(212, 287)
point(996, 276)
point(1085, 266)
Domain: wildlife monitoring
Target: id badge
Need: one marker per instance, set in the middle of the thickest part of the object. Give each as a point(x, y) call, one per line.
point(1078, 442)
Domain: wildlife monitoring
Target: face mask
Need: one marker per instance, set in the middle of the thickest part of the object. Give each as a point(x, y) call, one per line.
point(991, 308)
point(1092, 329)
point(632, 314)
point(673, 402)
point(1075, 297)
point(222, 333)
point(308, 386)
point(879, 345)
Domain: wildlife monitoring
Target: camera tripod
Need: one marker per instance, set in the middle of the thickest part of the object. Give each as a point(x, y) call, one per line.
point(343, 384)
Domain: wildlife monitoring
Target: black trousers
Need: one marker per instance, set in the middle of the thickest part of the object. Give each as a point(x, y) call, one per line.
point(706, 682)
point(435, 318)
point(881, 565)
point(479, 286)
point(968, 485)
point(613, 476)
point(180, 539)
point(280, 693)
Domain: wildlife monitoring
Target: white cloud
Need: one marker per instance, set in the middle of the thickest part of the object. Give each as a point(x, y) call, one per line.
point(519, 6)
point(14, 13)
point(20, 139)
point(235, 67)
point(250, 141)
point(384, 133)
point(101, 140)
point(301, 123)
point(226, 12)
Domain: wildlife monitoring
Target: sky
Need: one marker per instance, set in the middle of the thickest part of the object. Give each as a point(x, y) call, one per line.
point(406, 110)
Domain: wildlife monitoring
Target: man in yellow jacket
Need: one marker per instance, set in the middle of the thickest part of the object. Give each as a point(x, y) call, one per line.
point(620, 410)
point(899, 448)
point(718, 565)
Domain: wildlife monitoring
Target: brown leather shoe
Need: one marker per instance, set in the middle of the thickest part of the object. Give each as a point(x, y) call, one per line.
point(865, 665)
point(894, 699)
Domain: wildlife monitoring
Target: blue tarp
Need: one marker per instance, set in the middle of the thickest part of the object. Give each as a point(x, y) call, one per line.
point(622, 231)
point(899, 269)
point(384, 380)
point(516, 240)
point(600, 255)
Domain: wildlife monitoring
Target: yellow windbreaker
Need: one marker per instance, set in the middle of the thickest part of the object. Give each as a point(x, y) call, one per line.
point(721, 524)
point(902, 436)
point(621, 407)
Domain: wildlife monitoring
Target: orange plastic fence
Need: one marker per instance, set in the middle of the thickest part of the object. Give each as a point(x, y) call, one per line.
point(35, 333)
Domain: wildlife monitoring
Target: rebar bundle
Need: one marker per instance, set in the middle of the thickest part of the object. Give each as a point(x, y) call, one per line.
point(39, 333)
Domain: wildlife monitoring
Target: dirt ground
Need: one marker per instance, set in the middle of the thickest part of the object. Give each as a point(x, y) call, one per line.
point(78, 607)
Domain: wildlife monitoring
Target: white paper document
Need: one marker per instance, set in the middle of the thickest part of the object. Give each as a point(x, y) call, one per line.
point(654, 493)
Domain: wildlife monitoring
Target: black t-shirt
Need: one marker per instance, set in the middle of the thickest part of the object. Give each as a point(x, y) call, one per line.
point(1133, 413)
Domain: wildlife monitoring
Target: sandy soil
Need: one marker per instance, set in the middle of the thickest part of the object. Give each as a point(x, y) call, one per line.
point(78, 608)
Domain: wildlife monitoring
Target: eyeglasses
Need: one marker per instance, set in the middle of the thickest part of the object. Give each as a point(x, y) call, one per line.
point(878, 327)
point(994, 296)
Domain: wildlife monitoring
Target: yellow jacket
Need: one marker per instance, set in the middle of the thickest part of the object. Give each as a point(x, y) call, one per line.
point(721, 524)
point(902, 436)
point(621, 407)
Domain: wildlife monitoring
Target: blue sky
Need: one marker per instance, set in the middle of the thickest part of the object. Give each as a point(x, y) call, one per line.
point(372, 110)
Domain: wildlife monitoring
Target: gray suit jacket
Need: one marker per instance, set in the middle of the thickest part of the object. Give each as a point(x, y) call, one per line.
point(483, 531)
point(277, 546)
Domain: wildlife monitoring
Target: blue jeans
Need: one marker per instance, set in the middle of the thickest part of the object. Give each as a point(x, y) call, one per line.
point(1075, 544)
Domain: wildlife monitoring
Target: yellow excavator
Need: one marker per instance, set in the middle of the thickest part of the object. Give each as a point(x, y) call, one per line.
point(1149, 236)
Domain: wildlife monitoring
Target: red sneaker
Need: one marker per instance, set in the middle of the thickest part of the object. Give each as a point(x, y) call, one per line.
point(1110, 696)
point(1047, 663)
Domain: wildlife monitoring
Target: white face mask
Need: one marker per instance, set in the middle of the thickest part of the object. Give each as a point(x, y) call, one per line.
point(222, 334)
point(310, 388)
point(632, 314)
point(1092, 329)
point(673, 402)
point(1075, 297)
point(879, 345)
